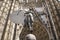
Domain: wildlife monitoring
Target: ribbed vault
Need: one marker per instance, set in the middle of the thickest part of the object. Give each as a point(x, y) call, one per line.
point(11, 31)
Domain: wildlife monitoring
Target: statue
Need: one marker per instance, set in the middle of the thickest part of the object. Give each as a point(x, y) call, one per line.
point(29, 19)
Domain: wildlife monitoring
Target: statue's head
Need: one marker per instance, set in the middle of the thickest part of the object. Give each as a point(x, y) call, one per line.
point(30, 37)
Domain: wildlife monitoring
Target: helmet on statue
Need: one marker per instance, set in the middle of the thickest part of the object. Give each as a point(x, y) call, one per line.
point(30, 37)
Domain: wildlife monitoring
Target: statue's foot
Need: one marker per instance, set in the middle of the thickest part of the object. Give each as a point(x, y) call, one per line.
point(31, 29)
